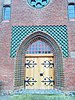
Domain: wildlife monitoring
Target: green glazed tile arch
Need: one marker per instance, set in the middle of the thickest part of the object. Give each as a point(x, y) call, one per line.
point(59, 33)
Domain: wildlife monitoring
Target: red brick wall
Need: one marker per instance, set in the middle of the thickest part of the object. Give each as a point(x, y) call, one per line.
point(23, 14)
point(6, 63)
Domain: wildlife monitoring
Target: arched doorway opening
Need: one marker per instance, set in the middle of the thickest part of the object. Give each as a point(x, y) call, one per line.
point(39, 63)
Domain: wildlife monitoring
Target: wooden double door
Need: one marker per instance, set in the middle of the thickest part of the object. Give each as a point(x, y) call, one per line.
point(39, 71)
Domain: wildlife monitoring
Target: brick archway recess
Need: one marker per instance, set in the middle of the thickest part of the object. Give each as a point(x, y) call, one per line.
point(58, 63)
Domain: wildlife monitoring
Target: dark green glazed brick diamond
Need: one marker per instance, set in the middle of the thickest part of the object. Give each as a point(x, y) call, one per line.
point(59, 33)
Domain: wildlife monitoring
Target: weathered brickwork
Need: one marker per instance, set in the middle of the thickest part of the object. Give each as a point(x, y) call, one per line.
point(24, 15)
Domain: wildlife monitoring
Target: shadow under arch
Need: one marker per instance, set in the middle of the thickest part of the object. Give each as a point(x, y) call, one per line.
point(58, 61)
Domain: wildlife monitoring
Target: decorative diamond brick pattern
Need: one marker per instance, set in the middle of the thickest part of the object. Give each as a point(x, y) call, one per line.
point(59, 33)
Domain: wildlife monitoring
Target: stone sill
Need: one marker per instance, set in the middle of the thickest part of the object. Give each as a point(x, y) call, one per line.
point(5, 21)
point(71, 19)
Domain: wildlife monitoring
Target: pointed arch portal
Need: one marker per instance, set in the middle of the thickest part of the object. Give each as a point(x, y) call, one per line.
point(39, 49)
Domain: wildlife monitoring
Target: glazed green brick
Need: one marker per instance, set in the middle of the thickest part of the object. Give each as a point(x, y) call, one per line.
point(59, 33)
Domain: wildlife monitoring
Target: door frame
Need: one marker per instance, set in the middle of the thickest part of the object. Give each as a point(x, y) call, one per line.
point(39, 55)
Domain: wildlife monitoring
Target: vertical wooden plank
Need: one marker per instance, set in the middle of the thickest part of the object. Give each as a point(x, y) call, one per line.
point(35, 74)
point(51, 70)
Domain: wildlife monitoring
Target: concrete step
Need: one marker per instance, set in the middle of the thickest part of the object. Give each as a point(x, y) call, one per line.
point(28, 91)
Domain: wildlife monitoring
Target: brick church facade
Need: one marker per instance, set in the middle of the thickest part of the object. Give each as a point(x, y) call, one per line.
point(26, 23)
